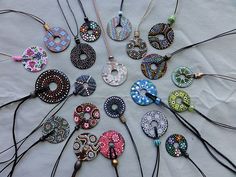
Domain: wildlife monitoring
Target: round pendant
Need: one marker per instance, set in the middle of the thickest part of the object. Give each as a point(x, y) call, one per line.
point(110, 139)
point(57, 39)
point(34, 58)
point(86, 147)
point(48, 78)
point(119, 28)
point(153, 66)
point(176, 145)
point(154, 119)
point(161, 36)
point(85, 85)
point(136, 48)
point(138, 90)
point(58, 128)
point(181, 77)
point(179, 100)
point(82, 111)
point(114, 106)
point(90, 31)
point(114, 74)
point(77, 54)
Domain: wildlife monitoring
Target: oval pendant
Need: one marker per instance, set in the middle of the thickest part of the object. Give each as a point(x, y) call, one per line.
point(181, 77)
point(114, 106)
point(90, 31)
point(136, 48)
point(179, 100)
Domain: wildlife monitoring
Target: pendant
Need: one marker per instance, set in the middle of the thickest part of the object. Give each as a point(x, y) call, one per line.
point(179, 100)
point(182, 77)
point(85, 85)
point(90, 31)
point(110, 103)
point(119, 28)
point(57, 39)
point(76, 56)
point(161, 36)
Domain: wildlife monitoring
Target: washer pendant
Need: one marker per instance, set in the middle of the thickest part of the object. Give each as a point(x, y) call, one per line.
point(34, 59)
point(164, 30)
point(114, 106)
point(136, 92)
point(83, 49)
point(86, 147)
point(179, 100)
point(154, 119)
point(90, 31)
point(181, 77)
point(85, 85)
point(140, 52)
point(81, 120)
point(176, 145)
point(53, 76)
point(62, 36)
point(113, 30)
point(58, 128)
point(154, 66)
point(114, 79)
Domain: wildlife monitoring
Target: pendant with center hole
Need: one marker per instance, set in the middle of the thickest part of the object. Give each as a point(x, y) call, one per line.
point(114, 74)
point(34, 59)
point(114, 106)
point(54, 34)
point(90, 31)
point(136, 48)
point(161, 36)
point(86, 147)
point(58, 128)
point(179, 100)
point(181, 77)
point(176, 145)
point(119, 28)
point(153, 66)
point(85, 85)
point(76, 56)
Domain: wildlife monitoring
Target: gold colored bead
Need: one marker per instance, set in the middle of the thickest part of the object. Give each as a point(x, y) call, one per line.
point(114, 162)
point(46, 27)
point(198, 75)
point(136, 34)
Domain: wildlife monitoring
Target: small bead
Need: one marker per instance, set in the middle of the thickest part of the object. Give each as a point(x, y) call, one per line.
point(191, 108)
point(114, 162)
point(157, 142)
point(172, 19)
point(120, 13)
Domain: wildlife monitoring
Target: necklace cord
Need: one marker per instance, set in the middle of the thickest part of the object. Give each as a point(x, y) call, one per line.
point(82, 8)
point(176, 7)
point(157, 161)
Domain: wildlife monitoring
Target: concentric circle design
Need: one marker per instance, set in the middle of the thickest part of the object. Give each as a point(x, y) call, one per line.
point(90, 31)
point(179, 100)
point(181, 77)
point(109, 139)
point(119, 28)
point(156, 61)
point(58, 128)
point(86, 147)
point(154, 119)
point(114, 106)
point(81, 111)
point(34, 59)
point(63, 39)
point(142, 86)
point(136, 48)
point(164, 30)
point(176, 145)
point(52, 76)
point(83, 49)
point(85, 85)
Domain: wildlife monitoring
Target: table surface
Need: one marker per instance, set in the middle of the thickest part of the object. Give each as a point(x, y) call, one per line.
point(196, 20)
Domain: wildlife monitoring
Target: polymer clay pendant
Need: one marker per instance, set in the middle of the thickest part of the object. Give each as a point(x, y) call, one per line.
point(80, 115)
point(114, 106)
point(119, 28)
point(114, 73)
point(49, 77)
point(90, 31)
point(181, 77)
point(153, 66)
point(57, 39)
point(76, 56)
point(34, 59)
point(154, 119)
point(161, 36)
point(179, 100)
point(176, 145)
point(85, 85)
point(58, 128)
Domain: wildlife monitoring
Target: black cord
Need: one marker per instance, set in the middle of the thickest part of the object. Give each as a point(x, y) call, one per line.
point(11, 102)
point(82, 8)
point(176, 6)
point(113, 152)
point(77, 166)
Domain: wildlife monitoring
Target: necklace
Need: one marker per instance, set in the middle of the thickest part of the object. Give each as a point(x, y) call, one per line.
point(82, 56)
point(119, 28)
point(161, 35)
point(113, 73)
